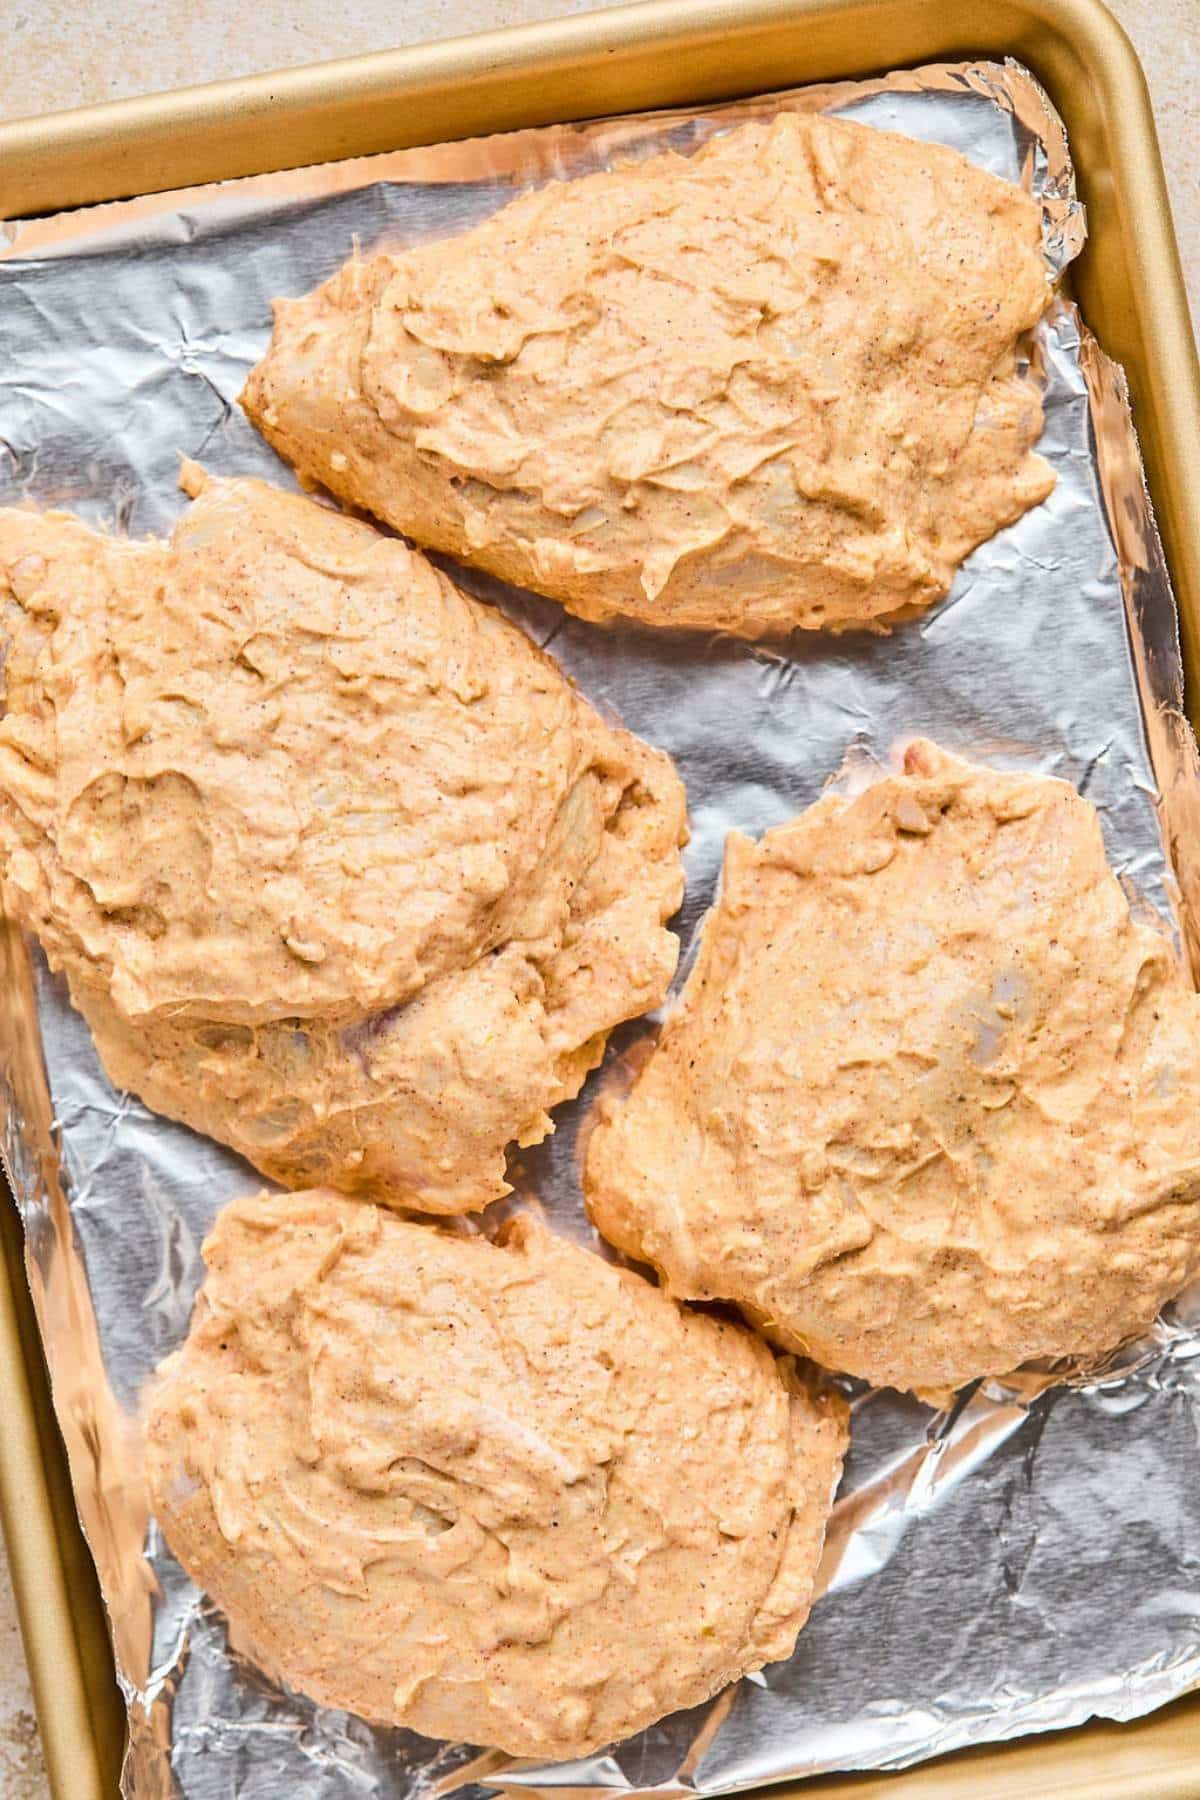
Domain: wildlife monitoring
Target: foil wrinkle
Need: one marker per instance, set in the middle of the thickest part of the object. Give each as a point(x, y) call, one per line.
point(1017, 1561)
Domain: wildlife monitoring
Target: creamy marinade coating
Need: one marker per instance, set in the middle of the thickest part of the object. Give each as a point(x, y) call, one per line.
point(341, 869)
point(772, 384)
point(928, 1105)
point(504, 1493)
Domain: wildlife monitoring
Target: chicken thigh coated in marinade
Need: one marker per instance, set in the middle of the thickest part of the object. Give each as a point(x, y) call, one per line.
point(776, 383)
point(927, 1106)
point(340, 868)
point(504, 1493)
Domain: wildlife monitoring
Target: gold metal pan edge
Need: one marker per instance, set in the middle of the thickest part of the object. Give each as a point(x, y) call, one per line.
point(62, 1619)
point(666, 52)
point(658, 53)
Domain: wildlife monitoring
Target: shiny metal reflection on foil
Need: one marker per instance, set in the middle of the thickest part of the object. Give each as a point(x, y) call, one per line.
point(980, 1554)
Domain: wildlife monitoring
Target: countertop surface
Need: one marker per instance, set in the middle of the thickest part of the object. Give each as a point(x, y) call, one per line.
point(60, 53)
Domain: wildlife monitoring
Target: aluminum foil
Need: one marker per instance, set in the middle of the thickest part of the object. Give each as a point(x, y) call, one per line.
point(1018, 1561)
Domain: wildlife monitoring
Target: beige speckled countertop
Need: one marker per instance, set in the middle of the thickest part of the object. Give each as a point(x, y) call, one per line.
point(59, 53)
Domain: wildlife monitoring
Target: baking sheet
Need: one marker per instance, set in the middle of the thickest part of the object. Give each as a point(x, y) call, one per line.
point(1020, 1561)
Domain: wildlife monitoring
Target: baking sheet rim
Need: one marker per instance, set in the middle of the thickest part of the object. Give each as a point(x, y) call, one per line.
point(39, 1561)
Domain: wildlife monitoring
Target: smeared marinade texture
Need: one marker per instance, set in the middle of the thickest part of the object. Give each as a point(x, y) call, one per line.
point(927, 1107)
point(502, 1493)
point(777, 383)
point(340, 868)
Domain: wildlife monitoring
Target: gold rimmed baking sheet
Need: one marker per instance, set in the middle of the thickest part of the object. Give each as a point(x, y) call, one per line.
point(655, 24)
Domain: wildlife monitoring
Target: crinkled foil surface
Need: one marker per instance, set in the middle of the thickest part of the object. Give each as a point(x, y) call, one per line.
point(1017, 1562)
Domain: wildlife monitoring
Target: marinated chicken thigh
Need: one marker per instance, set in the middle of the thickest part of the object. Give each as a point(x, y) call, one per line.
point(927, 1107)
point(504, 1493)
point(776, 383)
point(340, 868)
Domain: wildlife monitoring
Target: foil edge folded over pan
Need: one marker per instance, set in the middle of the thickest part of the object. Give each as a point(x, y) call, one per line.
point(971, 1547)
